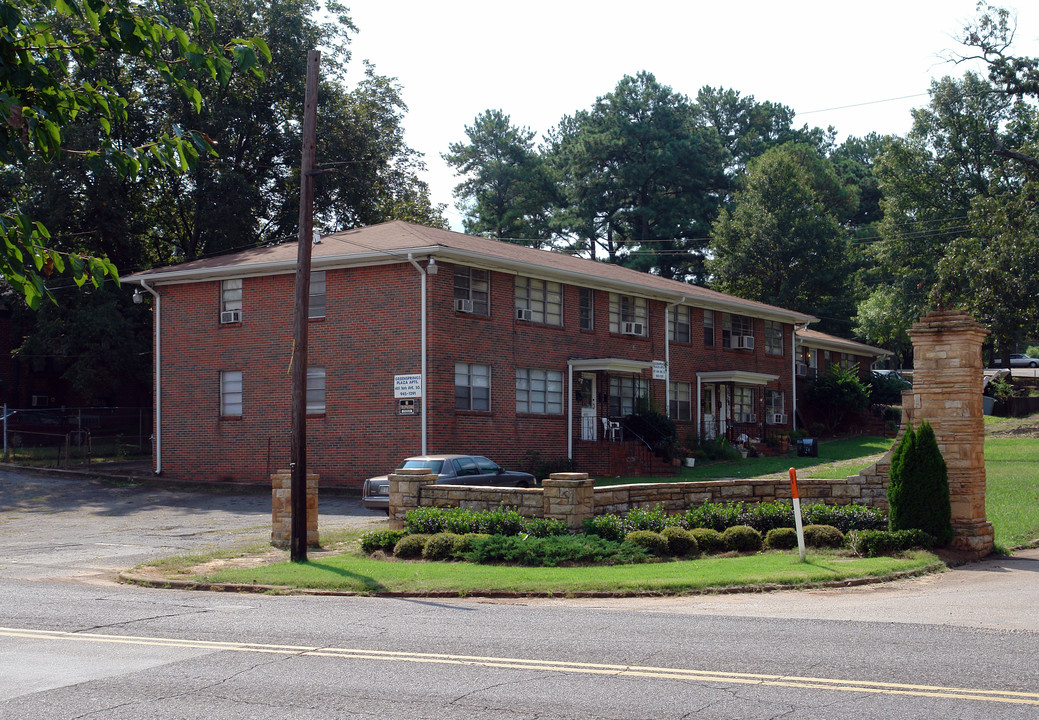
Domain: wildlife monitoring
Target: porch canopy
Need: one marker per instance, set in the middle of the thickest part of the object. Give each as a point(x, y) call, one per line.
point(615, 365)
point(738, 377)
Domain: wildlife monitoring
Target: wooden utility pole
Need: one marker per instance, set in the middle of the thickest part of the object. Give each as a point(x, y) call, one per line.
point(298, 464)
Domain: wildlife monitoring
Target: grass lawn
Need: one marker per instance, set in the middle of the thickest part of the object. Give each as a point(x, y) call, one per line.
point(356, 573)
point(1012, 489)
point(837, 459)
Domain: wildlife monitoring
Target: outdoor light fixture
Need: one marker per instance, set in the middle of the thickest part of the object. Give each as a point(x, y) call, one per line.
point(431, 267)
point(138, 298)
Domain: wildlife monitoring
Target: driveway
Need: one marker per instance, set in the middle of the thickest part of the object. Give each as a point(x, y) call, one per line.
point(88, 529)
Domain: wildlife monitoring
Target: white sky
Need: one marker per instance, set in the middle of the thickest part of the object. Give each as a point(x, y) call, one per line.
point(539, 60)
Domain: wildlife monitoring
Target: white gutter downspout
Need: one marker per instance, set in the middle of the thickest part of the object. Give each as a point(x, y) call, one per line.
point(793, 374)
point(422, 398)
point(158, 376)
point(667, 353)
point(570, 412)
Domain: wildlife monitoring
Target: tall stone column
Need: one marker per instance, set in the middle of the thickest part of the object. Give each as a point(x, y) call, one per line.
point(569, 497)
point(281, 509)
point(948, 379)
point(406, 491)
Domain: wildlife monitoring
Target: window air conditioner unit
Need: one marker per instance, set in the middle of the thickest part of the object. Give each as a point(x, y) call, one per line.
point(39, 401)
point(465, 306)
point(231, 316)
point(802, 369)
point(745, 342)
point(524, 314)
point(777, 418)
point(632, 328)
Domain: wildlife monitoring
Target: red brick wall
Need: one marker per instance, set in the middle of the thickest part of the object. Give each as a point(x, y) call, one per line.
point(370, 334)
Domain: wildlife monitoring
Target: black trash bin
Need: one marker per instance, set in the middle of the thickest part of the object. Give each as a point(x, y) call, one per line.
point(808, 447)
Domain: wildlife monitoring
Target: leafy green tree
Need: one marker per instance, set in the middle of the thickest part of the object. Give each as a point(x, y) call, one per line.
point(50, 50)
point(918, 492)
point(836, 393)
point(783, 242)
point(879, 322)
point(507, 192)
point(641, 178)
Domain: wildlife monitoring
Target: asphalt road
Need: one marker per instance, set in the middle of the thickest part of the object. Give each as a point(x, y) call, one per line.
point(73, 644)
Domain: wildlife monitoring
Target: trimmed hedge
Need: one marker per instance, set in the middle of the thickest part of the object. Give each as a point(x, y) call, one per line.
point(873, 543)
point(653, 542)
point(554, 551)
point(440, 546)
point(782, 538)
point(381, 540)
point(680, 542)
point(823, 536)
point(742, 538)
point(710, 541)
point(410, 546)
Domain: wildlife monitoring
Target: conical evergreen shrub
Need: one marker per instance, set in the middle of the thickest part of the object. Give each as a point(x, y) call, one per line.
point(918, 493)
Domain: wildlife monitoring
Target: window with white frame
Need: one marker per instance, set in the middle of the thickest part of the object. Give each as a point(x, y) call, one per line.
point(472, 290)
point(317, 294)
point(681, 402)
point(472, 387)
point(231, 393)
point(743, 404)
point(231, 301)
point(708, 328)
point(681, 326)
point(315, 390)
point(539, 391)
point(587, 302)
point(773, 337)
point(774, 402)
point(737, 331)
point(539, 301)
point(626, 393)
point(629, 315)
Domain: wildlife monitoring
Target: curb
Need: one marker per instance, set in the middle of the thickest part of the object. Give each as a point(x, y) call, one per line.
point(173, 584)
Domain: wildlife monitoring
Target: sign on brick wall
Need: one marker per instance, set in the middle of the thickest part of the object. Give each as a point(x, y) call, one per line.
point(407, 386)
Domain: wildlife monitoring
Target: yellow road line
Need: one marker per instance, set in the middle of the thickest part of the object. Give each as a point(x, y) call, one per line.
point(815, 683)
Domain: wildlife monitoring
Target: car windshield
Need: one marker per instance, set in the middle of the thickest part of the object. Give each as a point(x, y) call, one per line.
point(434, 465)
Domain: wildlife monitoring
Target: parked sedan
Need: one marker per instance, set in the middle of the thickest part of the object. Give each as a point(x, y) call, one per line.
point(1022, 360)
point(450, 470)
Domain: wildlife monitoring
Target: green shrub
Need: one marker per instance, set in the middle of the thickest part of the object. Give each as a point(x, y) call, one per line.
point(874, 543)
point(464, 543)
point(823, 536)
point(844, 517)
point(767, 516)
point(608, 527)
point(541, 468)
point(429, 521)
point(680, 542)
point(783, 538)
point(716, 516)
point(709, 540)
point(410, 546)
point(742, 538)
point(654, 519)
point(439, 546)
point(654, 542)
point(554, 551)
point(546, 527)
point(380, 540)
point(918, 493)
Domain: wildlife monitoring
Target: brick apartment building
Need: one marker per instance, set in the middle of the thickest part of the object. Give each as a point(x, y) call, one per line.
point(526, 351)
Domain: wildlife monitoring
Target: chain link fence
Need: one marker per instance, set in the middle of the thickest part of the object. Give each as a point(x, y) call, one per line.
point(71, 437)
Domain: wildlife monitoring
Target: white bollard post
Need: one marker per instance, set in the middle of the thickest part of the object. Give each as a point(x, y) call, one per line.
point(797, 514)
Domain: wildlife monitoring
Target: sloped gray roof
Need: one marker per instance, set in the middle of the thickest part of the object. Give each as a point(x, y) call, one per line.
point(392, 242)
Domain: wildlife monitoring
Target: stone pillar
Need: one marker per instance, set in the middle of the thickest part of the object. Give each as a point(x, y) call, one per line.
point(948, 378)
point(281, 509)
point(405, 491)
point(569, 497)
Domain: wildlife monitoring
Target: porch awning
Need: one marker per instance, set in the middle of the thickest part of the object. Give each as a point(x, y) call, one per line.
point(610, 365)
point(741, 377)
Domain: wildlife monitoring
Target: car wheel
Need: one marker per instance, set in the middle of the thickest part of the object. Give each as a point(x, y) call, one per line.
point(1031, 364)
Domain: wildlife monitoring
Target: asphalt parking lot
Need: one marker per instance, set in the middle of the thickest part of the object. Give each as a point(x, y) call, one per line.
point(67, 528)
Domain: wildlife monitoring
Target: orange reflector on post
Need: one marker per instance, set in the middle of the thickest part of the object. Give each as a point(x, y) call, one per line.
point(793, 482)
